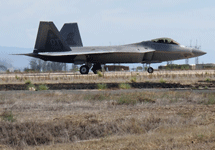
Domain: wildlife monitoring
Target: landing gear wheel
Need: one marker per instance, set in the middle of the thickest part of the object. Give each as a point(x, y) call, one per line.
point(84, 69)
point(96, 68)
point(150, 70)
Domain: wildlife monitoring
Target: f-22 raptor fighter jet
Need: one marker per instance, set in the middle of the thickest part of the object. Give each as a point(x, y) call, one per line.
point(66, 46)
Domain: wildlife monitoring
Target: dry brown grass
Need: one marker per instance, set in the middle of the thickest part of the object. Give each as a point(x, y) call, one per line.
point(191, 76)
point(171, 138)
point(64, 120)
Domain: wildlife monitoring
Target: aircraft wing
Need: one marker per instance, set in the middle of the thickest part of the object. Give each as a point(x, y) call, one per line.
point(93, 51)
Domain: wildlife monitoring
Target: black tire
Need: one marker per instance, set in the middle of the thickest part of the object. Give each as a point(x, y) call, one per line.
point(96, 68)
point(150, 70)
point(84, 69)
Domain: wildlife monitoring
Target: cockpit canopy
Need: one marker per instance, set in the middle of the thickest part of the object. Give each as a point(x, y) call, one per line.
point(165, 40)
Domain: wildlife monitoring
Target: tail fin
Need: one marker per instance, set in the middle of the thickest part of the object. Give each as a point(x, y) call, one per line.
point(49, 39)
point(71, 34)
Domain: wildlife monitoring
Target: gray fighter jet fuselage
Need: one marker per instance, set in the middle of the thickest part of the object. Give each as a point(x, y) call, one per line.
point(66, 46)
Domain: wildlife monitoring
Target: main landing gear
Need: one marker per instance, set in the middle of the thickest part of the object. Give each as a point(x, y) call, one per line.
point(150, 70)
point(96, 68)
point(85, 68)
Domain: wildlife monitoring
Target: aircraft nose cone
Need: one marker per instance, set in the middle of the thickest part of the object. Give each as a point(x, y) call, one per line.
point(198, 52)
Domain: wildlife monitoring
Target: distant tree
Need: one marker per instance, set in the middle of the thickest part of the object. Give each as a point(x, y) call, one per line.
point(33, 64)
point(40, 65)
point(139, 68)
point(3, 68)
point(56, 66)
point(74, 68)
point(6, 63)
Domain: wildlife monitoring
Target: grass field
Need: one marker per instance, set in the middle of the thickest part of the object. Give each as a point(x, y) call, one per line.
point(106, 120)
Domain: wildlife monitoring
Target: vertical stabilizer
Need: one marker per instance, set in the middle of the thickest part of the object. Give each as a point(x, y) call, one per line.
point(71, 35)
point(49, 39)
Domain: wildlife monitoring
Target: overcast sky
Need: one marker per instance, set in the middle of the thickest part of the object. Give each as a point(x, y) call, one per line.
point(112, 22)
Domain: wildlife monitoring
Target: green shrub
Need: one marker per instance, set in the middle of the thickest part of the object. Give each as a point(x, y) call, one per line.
point(42, 87)
point(162, 81)
point(17, 78)
point(145, 99)
point(8, 116)
point(99, 97)
point(127, 100)
point(200, 87)
point(173, 100)
point(133, 79)
point(102, 86)
point(124, 86)
point(208, 80)
point(28, 82)
point(99, 73)
point(194, 88)
point(210, 99)
point(31, 87)
point(134, 98)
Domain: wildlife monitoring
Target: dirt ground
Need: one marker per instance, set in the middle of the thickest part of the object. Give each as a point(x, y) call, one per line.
point(107, 120)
